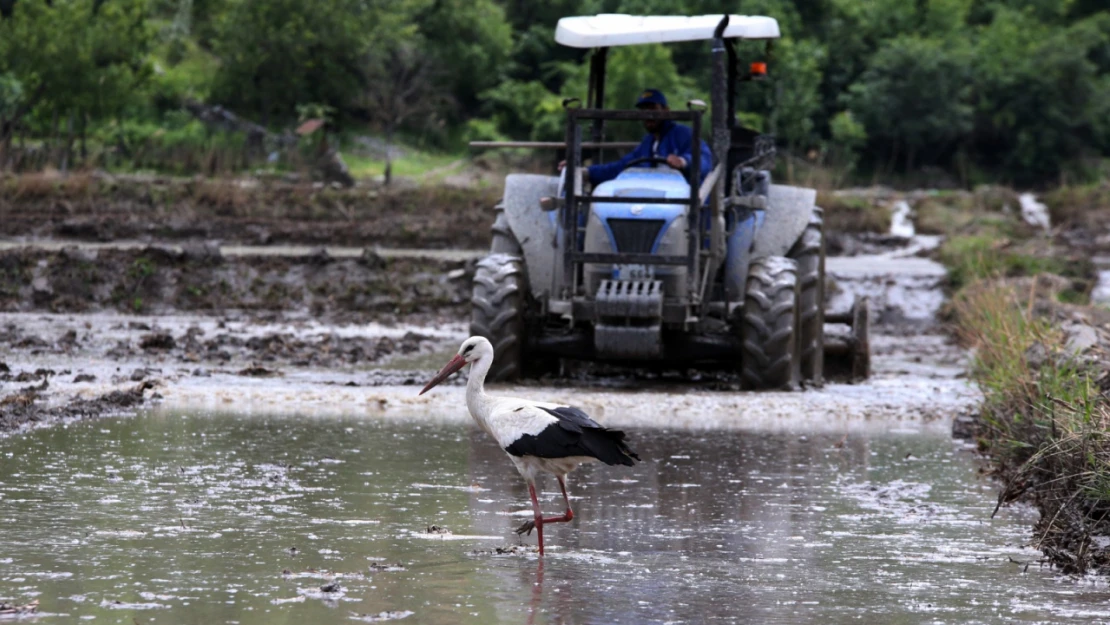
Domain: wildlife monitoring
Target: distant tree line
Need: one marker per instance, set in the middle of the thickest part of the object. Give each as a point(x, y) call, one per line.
point(1010, 90)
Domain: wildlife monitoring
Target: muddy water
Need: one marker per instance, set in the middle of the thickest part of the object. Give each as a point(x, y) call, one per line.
point(174, 517)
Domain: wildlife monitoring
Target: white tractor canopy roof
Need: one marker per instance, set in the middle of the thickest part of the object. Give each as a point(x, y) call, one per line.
point(612, 29)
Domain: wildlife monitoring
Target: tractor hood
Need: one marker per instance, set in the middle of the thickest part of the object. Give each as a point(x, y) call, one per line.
point(646, 182)
point(639, 226)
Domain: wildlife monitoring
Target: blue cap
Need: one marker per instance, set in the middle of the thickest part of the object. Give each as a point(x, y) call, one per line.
point(651, 96)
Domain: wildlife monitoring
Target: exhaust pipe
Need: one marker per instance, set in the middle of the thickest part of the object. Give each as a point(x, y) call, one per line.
point(720, 121)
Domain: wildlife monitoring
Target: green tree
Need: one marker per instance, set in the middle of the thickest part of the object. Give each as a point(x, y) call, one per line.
point(276, 54)
point(11, 101)
point(913, 99)
point(519, 109)
point(630, 70)
point(796, 80)
point(1040, 93)
point(75, 59)
point(529, 108)
point(847, 137)
point(535, 53)
point(400, 86)
point(469, 42)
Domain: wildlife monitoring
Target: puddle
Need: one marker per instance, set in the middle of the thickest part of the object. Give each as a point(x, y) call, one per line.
point(901, 219)
point(1033, 212)
point(213, 518)
point(903, 289)
point(1100, 294)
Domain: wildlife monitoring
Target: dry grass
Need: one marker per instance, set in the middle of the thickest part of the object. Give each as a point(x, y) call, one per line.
point(37, 185)
point(845, 213)
point(225, 197)
point(940, 215)
point(79, 185)
point(1045, 420)
point(993, 199)
point(1079, 206)
point(978, 257)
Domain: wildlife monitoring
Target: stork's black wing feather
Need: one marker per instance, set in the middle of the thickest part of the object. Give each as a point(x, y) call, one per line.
point(574, 434)
point(572, 418)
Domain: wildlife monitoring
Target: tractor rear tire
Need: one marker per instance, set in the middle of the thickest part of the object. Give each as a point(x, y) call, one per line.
point(770, 355)
point(809, 253)
point(497, 309)
point(502, 240)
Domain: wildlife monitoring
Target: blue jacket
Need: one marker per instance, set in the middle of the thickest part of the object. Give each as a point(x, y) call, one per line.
point(675, 139)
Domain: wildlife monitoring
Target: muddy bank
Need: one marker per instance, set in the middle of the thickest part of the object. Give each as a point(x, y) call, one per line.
point(31, 405)
point(199, 315)
point(1044, 366)
point(60, 366)
point(322, 351)
point(917, 379)
point(199, 278)
point(257, 317)
point(252, 211)
point(105, 208)
point(203, 342)
point(905, 287)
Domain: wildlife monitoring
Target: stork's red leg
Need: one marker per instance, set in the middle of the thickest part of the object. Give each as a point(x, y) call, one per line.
point(569, 514)
point(538, 515)
point(539, 520)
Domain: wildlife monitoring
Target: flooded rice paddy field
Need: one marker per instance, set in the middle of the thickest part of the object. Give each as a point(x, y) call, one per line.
point(198, 517)
point(310, 484)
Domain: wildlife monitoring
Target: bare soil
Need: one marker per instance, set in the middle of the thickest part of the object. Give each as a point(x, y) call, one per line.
point(58, 368)
point(90, 207)
point(159, 280)
point(257, 291)
point(132, 319)
point(28, 405)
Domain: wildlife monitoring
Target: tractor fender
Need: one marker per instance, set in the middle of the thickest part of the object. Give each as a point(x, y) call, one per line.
point(789, 210)
point(739, 255)
point(535, 229)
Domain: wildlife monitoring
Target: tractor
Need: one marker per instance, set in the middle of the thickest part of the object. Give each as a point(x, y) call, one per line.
point(657, 267)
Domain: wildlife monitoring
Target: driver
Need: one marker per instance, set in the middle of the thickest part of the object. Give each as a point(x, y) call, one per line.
point(666, 140)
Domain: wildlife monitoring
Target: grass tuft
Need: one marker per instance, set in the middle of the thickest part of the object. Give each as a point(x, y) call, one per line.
point(37, 185)
point(984, 256)
point(844, 213)
point(1044, 421)
point(1078, 205)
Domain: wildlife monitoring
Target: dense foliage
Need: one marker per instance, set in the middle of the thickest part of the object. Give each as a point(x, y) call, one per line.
point(1010, 90)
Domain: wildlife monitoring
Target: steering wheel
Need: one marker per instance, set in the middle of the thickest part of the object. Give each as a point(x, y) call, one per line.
point(654, 160)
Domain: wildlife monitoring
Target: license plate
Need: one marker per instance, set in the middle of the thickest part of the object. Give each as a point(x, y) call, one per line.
point(633, 272)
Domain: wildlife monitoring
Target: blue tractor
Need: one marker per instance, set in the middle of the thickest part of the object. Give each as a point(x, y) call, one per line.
point(656, 266)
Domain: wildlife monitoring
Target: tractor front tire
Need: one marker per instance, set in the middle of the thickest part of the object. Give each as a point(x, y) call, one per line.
point(809, 253)
point(497, 309)
point(770, 356)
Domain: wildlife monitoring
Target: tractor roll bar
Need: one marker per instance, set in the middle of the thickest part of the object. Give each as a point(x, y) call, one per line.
point(557, 145)
point(633, 115)
point(574, 200)
point(724, 114)
point(595, 96)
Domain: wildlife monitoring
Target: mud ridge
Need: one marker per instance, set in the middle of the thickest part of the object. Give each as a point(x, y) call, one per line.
point(102, 207)
point(29, 405)
point(157, 280)
point(1044, 425)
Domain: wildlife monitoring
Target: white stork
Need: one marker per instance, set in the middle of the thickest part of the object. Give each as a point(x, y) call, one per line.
point(538, 436)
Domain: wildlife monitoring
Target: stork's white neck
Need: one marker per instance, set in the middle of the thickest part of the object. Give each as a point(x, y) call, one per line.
point(477, 401)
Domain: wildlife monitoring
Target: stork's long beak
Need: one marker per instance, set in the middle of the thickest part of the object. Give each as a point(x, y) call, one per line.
point(458, 362)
